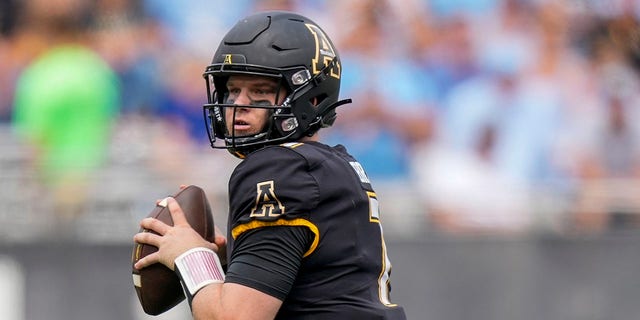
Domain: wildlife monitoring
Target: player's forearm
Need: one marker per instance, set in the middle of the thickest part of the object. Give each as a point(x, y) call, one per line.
point(206, 305)
point(233, 301)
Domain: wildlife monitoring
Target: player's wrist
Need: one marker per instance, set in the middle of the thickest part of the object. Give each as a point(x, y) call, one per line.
point(197, 268)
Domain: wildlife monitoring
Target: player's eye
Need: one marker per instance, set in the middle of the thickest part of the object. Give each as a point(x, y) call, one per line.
point(232, 95)
point(257, 96)
point(261, 102)
point(262, 93)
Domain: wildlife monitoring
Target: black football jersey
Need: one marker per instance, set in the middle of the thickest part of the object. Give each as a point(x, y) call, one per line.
point(304, 227)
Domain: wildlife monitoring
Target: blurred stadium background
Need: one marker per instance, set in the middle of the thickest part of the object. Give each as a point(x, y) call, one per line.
point(503, 137)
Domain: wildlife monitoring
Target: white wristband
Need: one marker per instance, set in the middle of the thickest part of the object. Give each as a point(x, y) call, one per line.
point(197, 268)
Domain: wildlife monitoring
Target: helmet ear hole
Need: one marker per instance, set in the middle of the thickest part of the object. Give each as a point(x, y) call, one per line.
point(317, 100)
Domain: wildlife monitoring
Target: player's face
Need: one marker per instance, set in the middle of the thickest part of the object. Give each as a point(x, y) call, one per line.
point(251, 91)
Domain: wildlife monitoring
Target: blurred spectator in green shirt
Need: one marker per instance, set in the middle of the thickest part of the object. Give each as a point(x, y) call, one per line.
point(65, 102)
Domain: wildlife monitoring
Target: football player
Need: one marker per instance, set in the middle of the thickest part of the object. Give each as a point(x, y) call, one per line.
point(304, 233)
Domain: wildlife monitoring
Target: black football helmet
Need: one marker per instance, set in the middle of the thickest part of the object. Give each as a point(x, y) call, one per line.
point(290, 48)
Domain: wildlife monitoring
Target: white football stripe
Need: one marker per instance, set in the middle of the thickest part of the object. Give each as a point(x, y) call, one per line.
point(163, 203)
point(136, 280)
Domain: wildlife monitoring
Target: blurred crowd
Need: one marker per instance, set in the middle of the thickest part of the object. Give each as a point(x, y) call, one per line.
point(488, 116)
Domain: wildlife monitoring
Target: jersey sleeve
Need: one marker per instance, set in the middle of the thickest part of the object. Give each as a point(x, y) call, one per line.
point(272, 194)
point(268, 259)
point(271, 186)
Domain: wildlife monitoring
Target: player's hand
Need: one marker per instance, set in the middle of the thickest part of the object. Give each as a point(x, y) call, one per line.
point(171, 241)
point(220, 240)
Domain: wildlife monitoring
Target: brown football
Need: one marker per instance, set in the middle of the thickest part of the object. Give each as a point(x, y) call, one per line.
point(158, 287)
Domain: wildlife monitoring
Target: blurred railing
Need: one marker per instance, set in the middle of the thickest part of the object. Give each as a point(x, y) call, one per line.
point(139, 171)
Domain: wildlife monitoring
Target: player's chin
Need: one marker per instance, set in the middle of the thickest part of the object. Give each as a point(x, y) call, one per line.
point(244, 133)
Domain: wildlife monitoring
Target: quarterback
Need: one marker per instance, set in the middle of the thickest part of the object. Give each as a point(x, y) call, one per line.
point(304, 235)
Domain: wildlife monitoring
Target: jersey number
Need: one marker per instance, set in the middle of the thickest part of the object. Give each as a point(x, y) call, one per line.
point(384, 278)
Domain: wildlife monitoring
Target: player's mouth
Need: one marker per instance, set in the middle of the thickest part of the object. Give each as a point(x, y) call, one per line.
point(241, 127)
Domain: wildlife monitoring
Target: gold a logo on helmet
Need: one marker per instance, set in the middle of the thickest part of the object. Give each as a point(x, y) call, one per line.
point(324, 52)
point(227, 59)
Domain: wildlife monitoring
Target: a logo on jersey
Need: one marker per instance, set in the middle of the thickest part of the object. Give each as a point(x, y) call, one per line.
point(267, 204)
point(324, 52)
point(357, 167)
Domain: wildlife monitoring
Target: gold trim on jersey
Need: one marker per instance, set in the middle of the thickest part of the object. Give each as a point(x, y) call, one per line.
point(254, 224)
point(292, 145)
